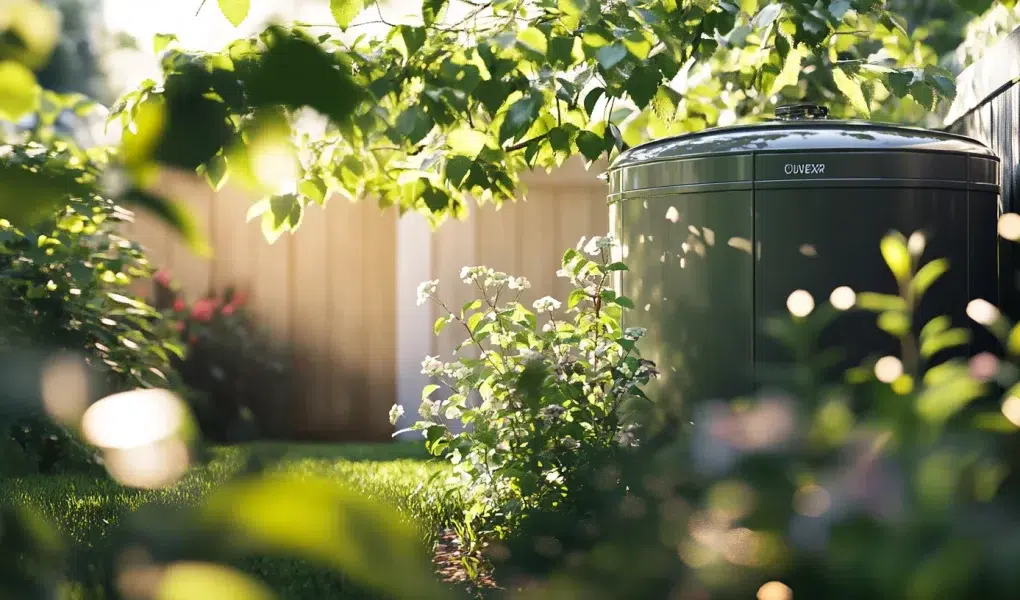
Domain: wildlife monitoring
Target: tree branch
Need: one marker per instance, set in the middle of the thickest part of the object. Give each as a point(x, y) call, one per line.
point(526, 143)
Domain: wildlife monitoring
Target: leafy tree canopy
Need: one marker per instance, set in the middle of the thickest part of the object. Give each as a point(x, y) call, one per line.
point(445, 109)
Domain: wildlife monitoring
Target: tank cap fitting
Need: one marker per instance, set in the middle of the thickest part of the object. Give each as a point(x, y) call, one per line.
point(800, 112)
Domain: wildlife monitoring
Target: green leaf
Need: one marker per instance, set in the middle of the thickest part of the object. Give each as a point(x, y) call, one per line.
point(934, 343)
point(616, 266)
point(519, 118)
point(323, 522)
point(414, 38)
point(790, 74)
point(575, 298)
point(642, 85)
point(937, 404)
point(19, 91)
point(899, 82)
point(665, 104)
point(573, 8)
point(927, 275)
point(428, 390)
point(874, 302)
point(590, 144)
point(441, 324)
point(851, 88)
point(610, 56)
point(559, 139)
point(314, 189)
point(216, 171)
point(474, 320)
point(457, 169)
point(161, 40)
point(897, 257)
point(624, 302)
point(534, 40)
point(592, 99)
point(767, 15)
point(432, 10)
point(562, 50)
point(944, 84)
point(1013, 341)
point(236, 11)
point(935, 326)
point(469, 306)
point(922, 94)
point(345, 11)
point(414, 124)
point(838, 9)
point(894, 323)
point(467, 141)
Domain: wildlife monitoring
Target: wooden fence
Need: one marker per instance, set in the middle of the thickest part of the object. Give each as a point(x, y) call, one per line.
point(330, 291)
point(987, 108)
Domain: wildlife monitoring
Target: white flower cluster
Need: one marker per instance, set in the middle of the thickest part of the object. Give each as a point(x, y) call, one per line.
point(546, 304)
point(471, 275)
point(489, 277)
point(432, 366)
point(396, 411)
point(634, 333)
point(426, 290)
point(597, 244)
point(430, 409)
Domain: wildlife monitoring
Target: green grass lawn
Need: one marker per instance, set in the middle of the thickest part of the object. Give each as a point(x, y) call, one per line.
point(86, 508)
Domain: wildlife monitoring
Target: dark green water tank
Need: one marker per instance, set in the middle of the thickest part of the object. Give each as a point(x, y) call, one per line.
point(719, 227)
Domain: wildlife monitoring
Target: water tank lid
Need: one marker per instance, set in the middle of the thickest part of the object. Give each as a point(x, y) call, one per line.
point(800, 135)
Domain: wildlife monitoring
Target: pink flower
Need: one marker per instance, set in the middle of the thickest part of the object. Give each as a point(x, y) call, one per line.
point(239, 299)
point(179, 326)
point(162, 278)
point(203, 310)
point(228, 310)
point(179, 305)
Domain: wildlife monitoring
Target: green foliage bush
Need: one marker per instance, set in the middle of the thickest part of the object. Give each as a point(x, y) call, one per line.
point(556, 391)
point(233, 369)
point(63, 286)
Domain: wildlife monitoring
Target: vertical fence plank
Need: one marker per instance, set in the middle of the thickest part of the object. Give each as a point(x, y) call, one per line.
point(378, 325)
point(345, 262)
point(310, 316)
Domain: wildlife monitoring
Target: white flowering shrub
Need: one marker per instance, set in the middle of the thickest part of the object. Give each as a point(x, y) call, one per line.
point(544, 390)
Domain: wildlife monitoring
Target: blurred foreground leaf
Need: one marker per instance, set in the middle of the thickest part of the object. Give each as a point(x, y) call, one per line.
point(328, 524)
point(31, 192)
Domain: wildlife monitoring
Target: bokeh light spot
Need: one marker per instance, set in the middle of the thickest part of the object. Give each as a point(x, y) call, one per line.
point(133, 419)
point(1011, 409)
point(800, 303)
point(775, 590)
point(982, 311)
point(65, 388)
point(1009, 226)
point(151, 466)
point(843, 298)
point(888, 369)
point(916, 244)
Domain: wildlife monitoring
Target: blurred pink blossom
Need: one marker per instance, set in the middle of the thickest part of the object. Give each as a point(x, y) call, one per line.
point(204, 309)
